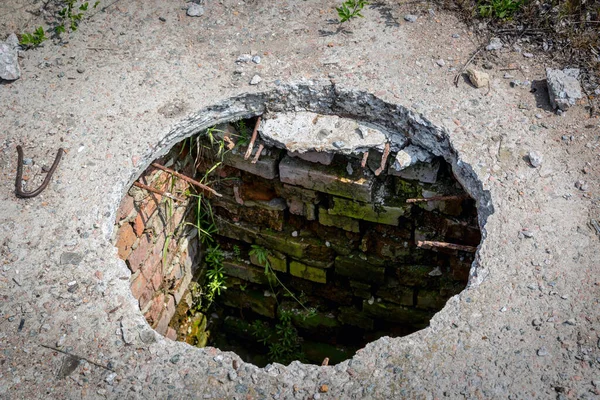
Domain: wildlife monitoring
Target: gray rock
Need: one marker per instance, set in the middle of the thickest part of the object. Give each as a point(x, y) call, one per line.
point(244, 58)
point(256, 59)
point(528, 55)
point(440, 62)
point(495, 44)
point(232, 375)
point(195, 10)
point(27, 161)
point(410, 18)
point(535, 159)
point(582, 185)
point(111, 378)
point(542, 352)
point(455, 35)
point(563, 87)
point(9, 60)
point(148, 336)
point(255, 80)
point(12, 40)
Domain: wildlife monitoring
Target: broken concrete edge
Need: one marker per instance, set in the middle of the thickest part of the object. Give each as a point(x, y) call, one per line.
point(322, 98)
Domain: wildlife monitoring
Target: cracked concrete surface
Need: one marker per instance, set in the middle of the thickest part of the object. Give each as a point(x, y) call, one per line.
point(527, 326)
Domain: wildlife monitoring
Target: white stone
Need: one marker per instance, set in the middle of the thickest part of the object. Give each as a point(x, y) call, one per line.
point(255, 80)
point(410, 155)
point(478, 79)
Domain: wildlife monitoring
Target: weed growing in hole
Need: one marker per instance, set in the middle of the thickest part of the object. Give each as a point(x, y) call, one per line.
point(243, 133)
point(284, 343)
point(350, 9)
point(501, 9)
point(215, 277)
point(262, 256)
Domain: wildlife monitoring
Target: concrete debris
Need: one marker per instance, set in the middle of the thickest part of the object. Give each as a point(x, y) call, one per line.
point(410, 155)
point(495, 44)
point(255, 80)
point(9, 59)
point(244, 58)
point(305, 131)
point(563, 87)
point(195, 10)
point(478, 79)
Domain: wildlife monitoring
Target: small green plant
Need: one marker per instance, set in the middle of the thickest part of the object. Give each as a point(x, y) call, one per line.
point(215, 276)
point(33, 39)
point(71, 15)
point(284, 343)
point(501, 9)
point(243, 133)
point(350, 9)
point(236, 251)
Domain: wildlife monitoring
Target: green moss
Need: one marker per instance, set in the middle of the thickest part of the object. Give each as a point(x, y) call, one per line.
point(307, 272)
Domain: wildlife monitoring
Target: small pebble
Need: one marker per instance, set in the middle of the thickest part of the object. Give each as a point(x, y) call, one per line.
point(539, 116)
point(162, 19)
point(256, 59)
point(81, 70)
point(244, 58)
point(295, 234)
point(440, 62)
point(27, 161)
point(255, 80)
point(536, 322)
point(535, 159)
point(110, 378)
point(175, 358)
point(582, 185)
point(527, 55)
point(542, 352)
point(195, 10)
point(455, 35)
point(503, 309)
point(410, 18)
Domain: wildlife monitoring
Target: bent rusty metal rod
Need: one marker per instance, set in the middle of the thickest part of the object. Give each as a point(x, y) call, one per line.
point(439, 198)
point(444, 245)
point(18, 184)
point(161, 192)
point(252, 139)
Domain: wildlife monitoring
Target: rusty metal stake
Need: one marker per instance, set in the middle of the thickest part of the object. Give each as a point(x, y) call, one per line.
point(439, 198)
point(445, 245)
point(258, 152)
point(187, 179)
point(386, 153)
point(153, 190)
point(253, 139)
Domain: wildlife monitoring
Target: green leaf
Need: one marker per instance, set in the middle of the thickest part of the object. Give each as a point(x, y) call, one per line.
point(84, 6)
point(96, 3)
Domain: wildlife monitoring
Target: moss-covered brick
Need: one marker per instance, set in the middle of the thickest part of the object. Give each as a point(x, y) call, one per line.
point(239, 231)
point(394, 293)
point(277, 262)
point(327, 179)
point(264, 213)
point(307, 272)
point(361, 289)
point(265, 167)
point(309, 321)
point(309, 249)
point(369, 212)
point(414, 275)
point(395, 313)
point(252, 299)
point(338, 221)
point(357, 269)
point(246, 272)
point(353, 316)
point(300, 193)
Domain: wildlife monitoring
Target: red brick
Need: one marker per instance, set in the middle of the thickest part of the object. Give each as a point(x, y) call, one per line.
point(168, 312)
point(157, 278)
point(138, 225)
point(171, 333)
point(140, 254)
point(158, 304)
point(146, 296)
point(125, 208)
point(138, 284)
point(125, 239)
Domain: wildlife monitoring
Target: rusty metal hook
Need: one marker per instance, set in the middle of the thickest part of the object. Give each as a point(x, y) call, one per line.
point(18, 184)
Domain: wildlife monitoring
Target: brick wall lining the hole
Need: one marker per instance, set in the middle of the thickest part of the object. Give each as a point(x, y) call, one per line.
point(157, 247)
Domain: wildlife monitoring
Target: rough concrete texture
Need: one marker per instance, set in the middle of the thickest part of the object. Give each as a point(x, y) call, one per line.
point(527, 327)
point(563, 87)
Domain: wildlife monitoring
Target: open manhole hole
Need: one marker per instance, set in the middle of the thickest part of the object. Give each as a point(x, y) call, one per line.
point(324, 236)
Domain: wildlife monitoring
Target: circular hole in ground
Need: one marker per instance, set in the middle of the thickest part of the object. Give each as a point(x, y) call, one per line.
point(317, 243)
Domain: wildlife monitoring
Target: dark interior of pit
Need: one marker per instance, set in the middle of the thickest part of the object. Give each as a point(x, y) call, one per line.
point(308, 261)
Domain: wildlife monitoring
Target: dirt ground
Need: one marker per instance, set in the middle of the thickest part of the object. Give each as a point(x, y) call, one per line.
point(527, 327)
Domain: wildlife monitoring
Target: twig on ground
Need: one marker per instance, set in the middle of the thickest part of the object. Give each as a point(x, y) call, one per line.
point(78, 357)
point(187, 179)
point(252, 140)
point(465, 65)
point(445, 245)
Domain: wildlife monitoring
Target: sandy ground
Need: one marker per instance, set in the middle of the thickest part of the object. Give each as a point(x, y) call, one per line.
point(528, 327)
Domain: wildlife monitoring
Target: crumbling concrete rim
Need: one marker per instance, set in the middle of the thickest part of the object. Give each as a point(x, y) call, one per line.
point(325, 98)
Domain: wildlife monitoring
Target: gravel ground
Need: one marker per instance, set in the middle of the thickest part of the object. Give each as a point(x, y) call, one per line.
point(128, 85)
